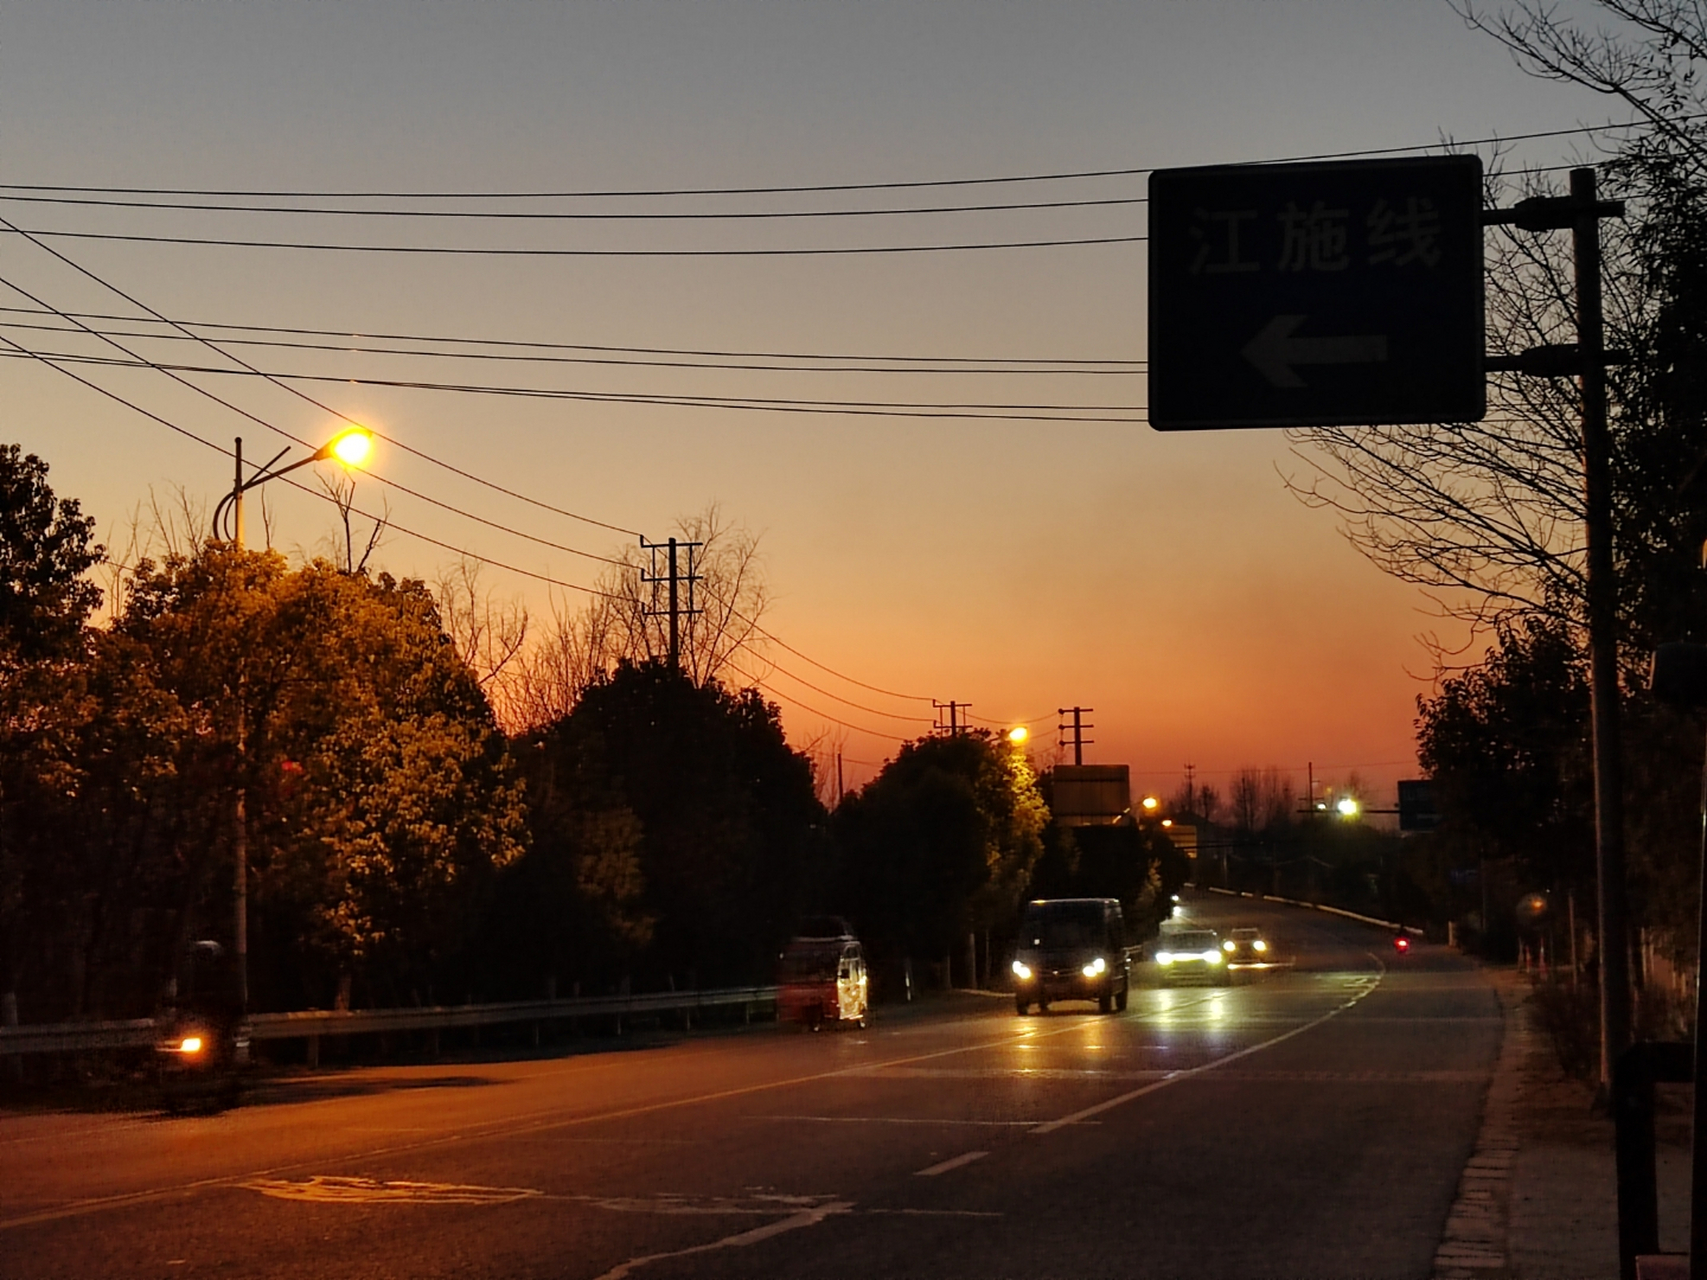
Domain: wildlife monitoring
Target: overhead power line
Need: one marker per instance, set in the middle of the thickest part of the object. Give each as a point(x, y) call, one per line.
point(535, 345)
point(696, 215)
point(973, 411)
point(491, 251)
point(1032, 368)
point(806, 706)
point(793, 188)
point(753, 622)
point(389, 523)
point(283, 386)
point(325, 497)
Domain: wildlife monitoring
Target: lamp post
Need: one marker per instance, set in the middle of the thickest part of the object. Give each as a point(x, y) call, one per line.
point(350, 447)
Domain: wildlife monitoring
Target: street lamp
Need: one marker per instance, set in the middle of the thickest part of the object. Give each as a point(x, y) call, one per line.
point(1348, 806)
point(1018, 734)
point(350, 447)
point(1151, 804)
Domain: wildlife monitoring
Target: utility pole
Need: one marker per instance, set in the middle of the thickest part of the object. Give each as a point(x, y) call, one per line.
point(240, 803)
point(1580, 213)
point(954, 727)
point(675, 579)
point(1078, 727)
point(1191, 795)
point(840, 789)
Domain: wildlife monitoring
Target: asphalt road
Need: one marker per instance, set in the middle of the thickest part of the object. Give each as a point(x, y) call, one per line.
point(1311, 1121)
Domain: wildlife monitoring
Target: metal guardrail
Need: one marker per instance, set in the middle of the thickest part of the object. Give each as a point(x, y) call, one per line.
point(77, 1037)
point(1316, 906)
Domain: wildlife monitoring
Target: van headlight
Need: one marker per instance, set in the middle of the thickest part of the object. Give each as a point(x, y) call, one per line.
point(1259, 945)
point(1022, 971)
point(1095, 968)
point(1164, 957)
point(1214, 957)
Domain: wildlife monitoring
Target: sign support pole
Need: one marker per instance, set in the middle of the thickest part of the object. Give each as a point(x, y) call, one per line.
point(1602, 630)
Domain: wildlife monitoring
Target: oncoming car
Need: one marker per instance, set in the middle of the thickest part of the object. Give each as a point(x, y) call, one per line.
point(1247, 946)
point(1071, 949)
point(1192, 954)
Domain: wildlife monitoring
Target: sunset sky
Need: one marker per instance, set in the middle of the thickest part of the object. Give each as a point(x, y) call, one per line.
point(1170, 582)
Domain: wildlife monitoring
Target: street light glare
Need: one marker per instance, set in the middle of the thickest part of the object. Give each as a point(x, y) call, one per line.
point(1018, 734)
point(1151, 804)
point(352, 448)
point(1347, 807)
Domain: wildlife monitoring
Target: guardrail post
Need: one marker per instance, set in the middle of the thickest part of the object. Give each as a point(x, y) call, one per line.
point(313, 1052)
point(9, 1018)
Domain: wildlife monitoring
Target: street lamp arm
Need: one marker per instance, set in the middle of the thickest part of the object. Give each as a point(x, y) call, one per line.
point(266, 473)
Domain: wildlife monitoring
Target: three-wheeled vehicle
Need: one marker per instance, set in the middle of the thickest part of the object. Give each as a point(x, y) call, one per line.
point(821, 976)
point(201, 1043)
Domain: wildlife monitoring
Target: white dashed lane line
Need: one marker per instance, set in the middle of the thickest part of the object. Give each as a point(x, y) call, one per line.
point(958, 1162)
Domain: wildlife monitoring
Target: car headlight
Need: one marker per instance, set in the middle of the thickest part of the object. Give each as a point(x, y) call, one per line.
point(1164, 957)
point(190, 1044)
point(1259, 945)
point(1214, 957)
point(1022, 971)
point(1229, 945)
point(1095, 967)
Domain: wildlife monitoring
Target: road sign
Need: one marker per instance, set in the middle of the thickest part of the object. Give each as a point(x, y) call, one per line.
point(1346, 293)
point(1416, 806)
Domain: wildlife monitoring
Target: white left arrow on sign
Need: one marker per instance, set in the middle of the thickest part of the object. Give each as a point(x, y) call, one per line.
point(1275, 351)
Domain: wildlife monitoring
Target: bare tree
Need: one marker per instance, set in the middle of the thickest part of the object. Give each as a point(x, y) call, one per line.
point(728, 600)
point(1260, 800)
point(1485, 516)
point(575, 650)
point(342, 490)
point(488, 632)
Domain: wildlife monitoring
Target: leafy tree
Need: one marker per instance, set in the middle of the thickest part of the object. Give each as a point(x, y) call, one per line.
point(941, 843)
point(1506, 744)
point(674, 823)
point(46, 549)
point(380, 798)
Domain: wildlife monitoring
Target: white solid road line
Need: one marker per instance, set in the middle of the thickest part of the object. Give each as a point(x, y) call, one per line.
point(956, 1163)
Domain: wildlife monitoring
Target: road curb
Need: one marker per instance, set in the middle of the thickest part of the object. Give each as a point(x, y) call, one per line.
point(1474, 1241)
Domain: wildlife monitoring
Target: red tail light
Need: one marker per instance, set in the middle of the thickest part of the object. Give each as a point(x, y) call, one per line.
point(1403, 944)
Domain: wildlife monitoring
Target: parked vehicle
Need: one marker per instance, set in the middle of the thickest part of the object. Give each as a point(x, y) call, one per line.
point(1071, 949)
point(201, 1044)
point(822, 976)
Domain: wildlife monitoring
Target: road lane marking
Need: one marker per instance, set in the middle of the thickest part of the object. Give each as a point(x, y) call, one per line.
point(1188, 1073)
point(1013, 1073)
point(740, 1240)
point(670, 1205)
point(958, 1162)
point(925, 1120)
point(539, 1122)
point(327, 1189)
